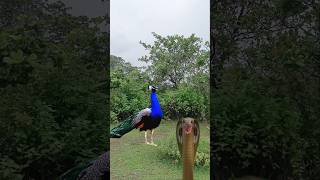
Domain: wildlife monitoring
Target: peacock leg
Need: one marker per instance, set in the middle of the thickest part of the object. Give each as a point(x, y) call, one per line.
point(152, 143)
point(146, 137)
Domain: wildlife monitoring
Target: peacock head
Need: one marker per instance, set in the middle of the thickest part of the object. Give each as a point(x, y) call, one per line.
point(152, 88)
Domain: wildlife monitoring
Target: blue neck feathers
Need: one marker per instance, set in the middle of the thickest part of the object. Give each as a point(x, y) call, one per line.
point(155, 106)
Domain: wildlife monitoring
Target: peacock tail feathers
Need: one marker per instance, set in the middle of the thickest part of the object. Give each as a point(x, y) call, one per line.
point(123, 128)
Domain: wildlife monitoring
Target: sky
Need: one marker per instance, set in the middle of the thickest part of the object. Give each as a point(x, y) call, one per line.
point(92, 8)
point(134, 20)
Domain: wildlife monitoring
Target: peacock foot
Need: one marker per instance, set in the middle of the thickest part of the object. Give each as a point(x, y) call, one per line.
point(153, 144)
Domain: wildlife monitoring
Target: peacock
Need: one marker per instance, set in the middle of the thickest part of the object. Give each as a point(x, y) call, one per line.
point(146, 119)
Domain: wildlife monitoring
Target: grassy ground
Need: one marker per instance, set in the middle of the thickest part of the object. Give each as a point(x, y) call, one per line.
point(132, 159)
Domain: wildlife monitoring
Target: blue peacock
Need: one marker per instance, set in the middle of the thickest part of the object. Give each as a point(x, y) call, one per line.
point(146, 119)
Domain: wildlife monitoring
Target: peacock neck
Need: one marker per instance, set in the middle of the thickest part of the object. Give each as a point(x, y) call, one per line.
point(155, 106)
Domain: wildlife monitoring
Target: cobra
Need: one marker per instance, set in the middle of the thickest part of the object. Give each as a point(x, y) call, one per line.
point(187, 134)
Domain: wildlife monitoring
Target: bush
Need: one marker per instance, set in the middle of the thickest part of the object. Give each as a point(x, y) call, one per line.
point(184, 102)
point(256, 129)
point(53, 90)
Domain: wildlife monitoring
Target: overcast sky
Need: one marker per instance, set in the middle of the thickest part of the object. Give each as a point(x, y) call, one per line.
point(134, 20)
point(92, 8)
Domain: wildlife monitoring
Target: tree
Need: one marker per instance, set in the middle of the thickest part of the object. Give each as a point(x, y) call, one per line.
point(128, 93)
point(53, 89)
point(128, 89)
point(265, 54)
point(174, 58)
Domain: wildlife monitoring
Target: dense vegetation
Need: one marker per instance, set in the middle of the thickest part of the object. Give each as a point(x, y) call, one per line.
point(178, 65)
point(265, 88)
point(53, 89)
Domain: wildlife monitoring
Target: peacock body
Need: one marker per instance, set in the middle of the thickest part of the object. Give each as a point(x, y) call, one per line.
point(146, 119)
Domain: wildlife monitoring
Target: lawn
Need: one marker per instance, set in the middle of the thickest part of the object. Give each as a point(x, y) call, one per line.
point(132, 159)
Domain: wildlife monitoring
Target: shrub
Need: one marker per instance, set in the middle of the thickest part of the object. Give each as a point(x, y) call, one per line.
point(184, 102)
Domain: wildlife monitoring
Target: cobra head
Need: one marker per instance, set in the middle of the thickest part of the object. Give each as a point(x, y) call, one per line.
point(188, 127)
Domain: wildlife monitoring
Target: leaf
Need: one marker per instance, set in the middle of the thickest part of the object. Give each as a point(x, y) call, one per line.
point(15, 57)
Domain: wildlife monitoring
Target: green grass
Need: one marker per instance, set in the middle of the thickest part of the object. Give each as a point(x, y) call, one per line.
point(132, 159)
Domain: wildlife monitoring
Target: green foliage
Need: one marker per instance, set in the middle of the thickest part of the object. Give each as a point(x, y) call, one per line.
point(254, 127)
point(176, 58)
point(53, 88)
point(184, 102)
point(128, 89)
point(265, 89)
point(183, 61)
point(169, 150)
point(129, 94)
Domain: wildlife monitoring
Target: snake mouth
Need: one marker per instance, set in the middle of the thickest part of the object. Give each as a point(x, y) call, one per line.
point(187, 128)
